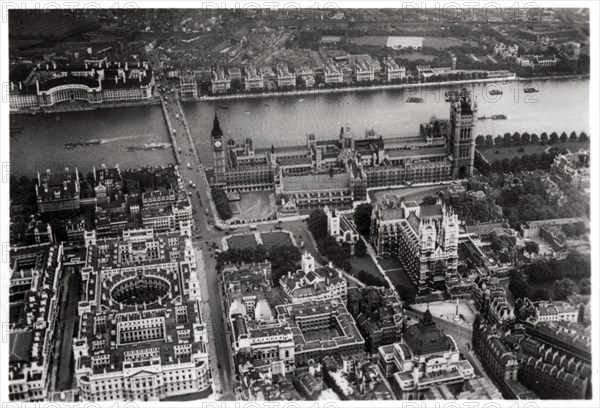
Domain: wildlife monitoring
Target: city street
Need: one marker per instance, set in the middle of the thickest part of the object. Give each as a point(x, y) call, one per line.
point(204, 236)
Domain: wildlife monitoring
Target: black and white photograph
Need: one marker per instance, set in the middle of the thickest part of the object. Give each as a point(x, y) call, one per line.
point(322, 204)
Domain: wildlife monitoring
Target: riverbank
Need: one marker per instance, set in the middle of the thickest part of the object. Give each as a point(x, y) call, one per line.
point(444, 84)
point(80, 107)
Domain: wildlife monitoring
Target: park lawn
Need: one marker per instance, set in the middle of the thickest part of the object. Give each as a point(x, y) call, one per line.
point(389, 263)
point(400, 278)
point(242, 241)
point(508, 152)
point(366, 264)
point(271, 239)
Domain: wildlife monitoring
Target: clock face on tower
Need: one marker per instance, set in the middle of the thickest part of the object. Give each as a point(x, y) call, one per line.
point(218, 144)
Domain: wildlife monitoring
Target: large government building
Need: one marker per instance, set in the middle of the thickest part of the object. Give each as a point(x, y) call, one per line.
point(92, 83)
point(338, 172)
point(141, 335)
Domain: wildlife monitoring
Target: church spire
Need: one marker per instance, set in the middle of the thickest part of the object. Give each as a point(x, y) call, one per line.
point(216, 131)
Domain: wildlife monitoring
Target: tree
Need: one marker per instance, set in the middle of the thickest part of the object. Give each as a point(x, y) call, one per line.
point(516, 138)
point(532, 247)
point(569, 230)
point(489, 141)
point(518, 285)
point(429, 200)
point(563, 288)
point(585, 286)
point(573, 136)
point(360, 249)
point(371, 280)
point(583, 137)
point(535, 138)
point(564, 137)
point(480, 141)
point(544, 138)
point(580, 228)
point(221, 203)
point(553, 138)
point(317, 224)
point(407, 294)
point(525, 138)
point(507, 139)
point(540, 294)
point(362, 218)
point(498, 140)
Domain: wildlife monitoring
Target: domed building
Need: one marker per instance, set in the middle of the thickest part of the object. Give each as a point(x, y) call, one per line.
point(424, 358)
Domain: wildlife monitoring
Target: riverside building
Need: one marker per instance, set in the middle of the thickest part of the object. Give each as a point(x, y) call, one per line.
point(104, 83)
point(284, 77)
point(253, 78)
point(393, 70)
point(333, 73)
point(220, 81)
point(301, 175)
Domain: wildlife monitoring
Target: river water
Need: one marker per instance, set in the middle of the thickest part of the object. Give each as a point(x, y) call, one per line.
point(558, 106)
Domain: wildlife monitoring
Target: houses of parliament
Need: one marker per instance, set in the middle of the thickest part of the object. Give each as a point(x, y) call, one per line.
point(338, 172)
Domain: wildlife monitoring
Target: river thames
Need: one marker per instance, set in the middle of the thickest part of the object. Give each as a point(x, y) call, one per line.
point(558, 106)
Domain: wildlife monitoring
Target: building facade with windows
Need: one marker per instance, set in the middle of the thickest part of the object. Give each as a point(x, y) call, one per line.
point(424, 358)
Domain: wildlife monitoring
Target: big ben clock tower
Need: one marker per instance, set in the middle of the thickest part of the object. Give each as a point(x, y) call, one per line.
point(219, 153)
point(463, 114)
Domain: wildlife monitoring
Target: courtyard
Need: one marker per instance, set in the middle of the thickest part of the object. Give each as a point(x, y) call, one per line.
point(408, 193)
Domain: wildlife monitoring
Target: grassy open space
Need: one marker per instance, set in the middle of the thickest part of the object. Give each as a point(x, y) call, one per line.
point(366, 264)
point(271, 239)
point(393, 269)
point(399, 278)
point(389, 263)
point(508, 152)
point(241, 241)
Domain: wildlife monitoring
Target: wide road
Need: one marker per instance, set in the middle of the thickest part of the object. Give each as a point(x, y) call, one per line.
point(204, 236)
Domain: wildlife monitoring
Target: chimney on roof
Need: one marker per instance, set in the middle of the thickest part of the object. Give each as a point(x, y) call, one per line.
point(116, 79)
point(12, 86)
point(65, 185)
point(46, 67)
point(20, 85)
point(126, 66)
point(86, 66)
point(54, 65)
